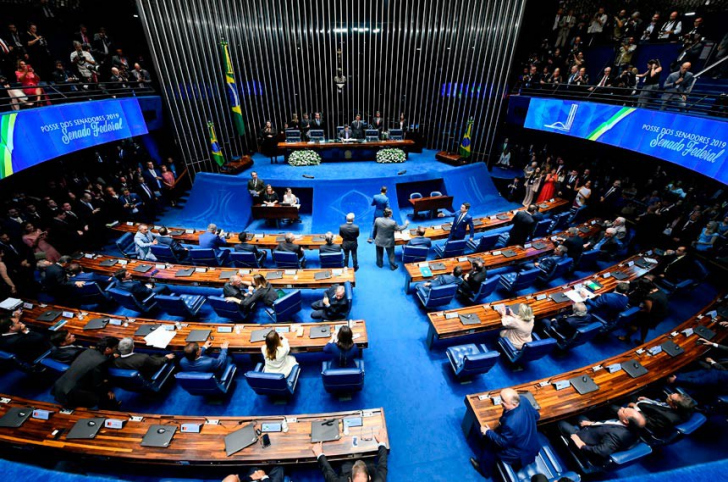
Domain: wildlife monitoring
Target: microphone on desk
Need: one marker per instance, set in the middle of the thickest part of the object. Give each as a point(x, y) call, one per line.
point(308, 176)
point(403, 171)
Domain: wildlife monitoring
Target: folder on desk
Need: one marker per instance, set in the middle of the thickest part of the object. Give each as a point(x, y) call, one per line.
point(426, 271)
point(259, 335)
point(321, 275)
point(704, 332)
point(15, 417)
point(672, 349)
point(144, 330)
point(584, 229)
point(643, 263)
point(437, 266)
point(584, 384)
point(240, 439)
point(198, 336)
point(318, 239)
point(413, 232)
point(469, 319)
point(325, 430)
point(184, 273)
point(143, 268)
point(176, 232)
point(538, 245)
point(226, 274)
point(96, 324)
point(559, 297)
point(108, 263)
point(86, 428)
point(320, 332)
point(274, 275)
point(634, 368)
point(280, 239)
point(503, 217)
point(619, 275)
point(508, 253)
point(529, 396)
point(159, 436)
point(49, 315)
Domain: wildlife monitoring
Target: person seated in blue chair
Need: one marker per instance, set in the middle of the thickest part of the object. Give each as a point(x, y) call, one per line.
point(274, 474)
point(598, 440)
point(662, 416)
point(260, 290)
point(472, 280)
point(607, 243)
point(517, 327)
point(420, 239)
point(147, 365)
point(235, 290)
point(358, 471)
point(456, 277)
point(244, 246)
point(333, 306)
point(276, 353)
point(19, 340)
point(547, 264)
point(177, 248)
point(611, 304)
point(342, 349)
point(290, 246)
point(140, 290)
point(515, 440)
point(195, 359)
point(211, 239)
point(330, 247)
point(64, 350)
point(567, 325)
point(76, 273)
point(710, 377)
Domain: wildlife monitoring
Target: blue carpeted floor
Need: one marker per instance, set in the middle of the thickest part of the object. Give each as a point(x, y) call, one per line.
point(423, 403)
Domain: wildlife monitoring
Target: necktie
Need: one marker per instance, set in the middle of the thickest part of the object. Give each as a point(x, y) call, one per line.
point(4, 46)
point(146, 190)
point(609, 192)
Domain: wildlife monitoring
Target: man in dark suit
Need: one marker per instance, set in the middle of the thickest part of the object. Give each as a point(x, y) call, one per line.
point(357, 127)
point(611, 199)
point(607, 243)
point(13, 223)
point(574, 244)
point(256, 186)
point(330, 247)
point(462, 221)
point(384, 228)
point(153, 178)
point(19, 260)
point(84, 384)
point(63, 236)
point(515, 441)
point(288, 245)
point(349, 232)
point(548, 264)
point(235, 288)
point(420, 239)
point(16, 338)
point(55, 279)
point(661, 417)
point(345, 133)
point(130, 204)
point(568, 187)
point(140, 290)
point(148, 198)
point(472, 280)
point(147, 365)
point(273, 474)
point(358, 471)
point(675, 265)
point(317, 122)
point(567, 325)
point(195, 360)
point(166, 240)
point(609, 305)
point(380, 202)
point(244, 246)
point(598, 440)
point(523, 224)
point(64, 350)
point(333, 306)
point(515, 190)
point(686, 231)
point(456, 278)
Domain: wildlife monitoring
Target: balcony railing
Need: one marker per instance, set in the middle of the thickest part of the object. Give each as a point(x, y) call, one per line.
point(13, 97)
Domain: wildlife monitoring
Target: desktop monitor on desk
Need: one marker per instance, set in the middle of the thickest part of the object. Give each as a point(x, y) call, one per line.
point(316, 135)
point(293, 135)
point(396, 134)
point(371, 135)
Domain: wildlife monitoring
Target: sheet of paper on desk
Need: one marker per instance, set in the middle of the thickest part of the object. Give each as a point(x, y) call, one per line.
point(574, 296)
point(159, 338)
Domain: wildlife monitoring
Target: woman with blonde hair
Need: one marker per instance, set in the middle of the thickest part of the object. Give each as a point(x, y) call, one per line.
point(517, 327)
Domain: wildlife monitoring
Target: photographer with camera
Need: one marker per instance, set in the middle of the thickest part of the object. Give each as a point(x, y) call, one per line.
point(85, 64)
point(651, 82)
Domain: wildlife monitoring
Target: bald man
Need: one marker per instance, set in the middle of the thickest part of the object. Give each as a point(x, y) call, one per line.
point(515, 441)
point(677, 87)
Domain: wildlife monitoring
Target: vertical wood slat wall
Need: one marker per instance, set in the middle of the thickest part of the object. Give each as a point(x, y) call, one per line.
point(438, 61)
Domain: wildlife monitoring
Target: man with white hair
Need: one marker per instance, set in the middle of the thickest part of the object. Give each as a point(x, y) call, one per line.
point(333, 306)
point(143, 241)
point(567, 325)
point(212, 240)
point(515, 440)
point(147, 365)
point(607, 243)
point(358, 471)
point(620, 228)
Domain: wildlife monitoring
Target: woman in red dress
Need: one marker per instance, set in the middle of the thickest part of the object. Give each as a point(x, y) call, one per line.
point(549, 187)
point(27, 76)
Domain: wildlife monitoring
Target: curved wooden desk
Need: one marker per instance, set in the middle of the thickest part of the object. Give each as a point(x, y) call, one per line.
point(204, 448)
point(527, 253)
point(559, 404)
point(165, 273)
point(443, 328)
point(239, 338)
point(265, 241)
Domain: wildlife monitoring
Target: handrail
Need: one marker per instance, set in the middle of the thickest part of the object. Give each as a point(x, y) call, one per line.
point(13, 96)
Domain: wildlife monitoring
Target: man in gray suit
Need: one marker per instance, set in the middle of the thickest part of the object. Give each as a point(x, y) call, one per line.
point(677, 87)
point(384, 228)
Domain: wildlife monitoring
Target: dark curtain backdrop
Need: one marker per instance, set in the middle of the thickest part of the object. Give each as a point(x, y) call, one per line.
point(438, 61)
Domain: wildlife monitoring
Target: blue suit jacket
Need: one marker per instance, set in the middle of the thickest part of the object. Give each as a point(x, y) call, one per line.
point(204, 364)
point(609, 303)
point(517, 436)
point(211, 240)
point(458, 228)
point(380, 202)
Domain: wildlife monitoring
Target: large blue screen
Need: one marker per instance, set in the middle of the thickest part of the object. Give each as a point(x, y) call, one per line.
point(696, 143)
point(30, 137)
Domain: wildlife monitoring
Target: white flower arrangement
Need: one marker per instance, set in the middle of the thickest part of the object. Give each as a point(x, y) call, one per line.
point(306, 157)
point(386, 156)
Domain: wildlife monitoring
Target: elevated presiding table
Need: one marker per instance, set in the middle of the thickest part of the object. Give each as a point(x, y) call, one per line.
point(431, 203)
point(204, 448)
point(238, 335)
point(447, 324)
point(202, 276)
point(567, 402)
point(277, 212)
point(354, 150)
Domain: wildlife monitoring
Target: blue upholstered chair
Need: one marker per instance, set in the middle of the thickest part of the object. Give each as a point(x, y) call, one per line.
point(180, 305)
point(559, 222)
point(435, 193)
point(164, 254)
point(51, 365)
point(207, 384)
point(133, 381)
point(588, 259)
point(581, 336)
point(245, 259)
point(451, 248)
point(623, 319)
point(285, 307)
point(512, 282)
point(563, 266)
point(414, 254)
point(126, 245)
point(128, 300)
point(209, 257)
point(486, 289)
point(286, 259)
point(10, 360)
point(533, 350)
point(332, 260)
point(88, 294)
point(415, 195)
point(273, 384)
point(616, 460)
point(696, 278)
point(343, 380)
point(436, 295)
point(226, 309)
point(471, 359)
point(546, 463)
point(483, 243)
point(541, 229)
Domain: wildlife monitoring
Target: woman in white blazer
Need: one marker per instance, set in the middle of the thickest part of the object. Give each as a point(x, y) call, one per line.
point(276, 353)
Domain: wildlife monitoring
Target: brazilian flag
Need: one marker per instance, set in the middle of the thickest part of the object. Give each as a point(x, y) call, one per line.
point(232, 91)
point(465, 143)
point(214, 145)
point(7, 132)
